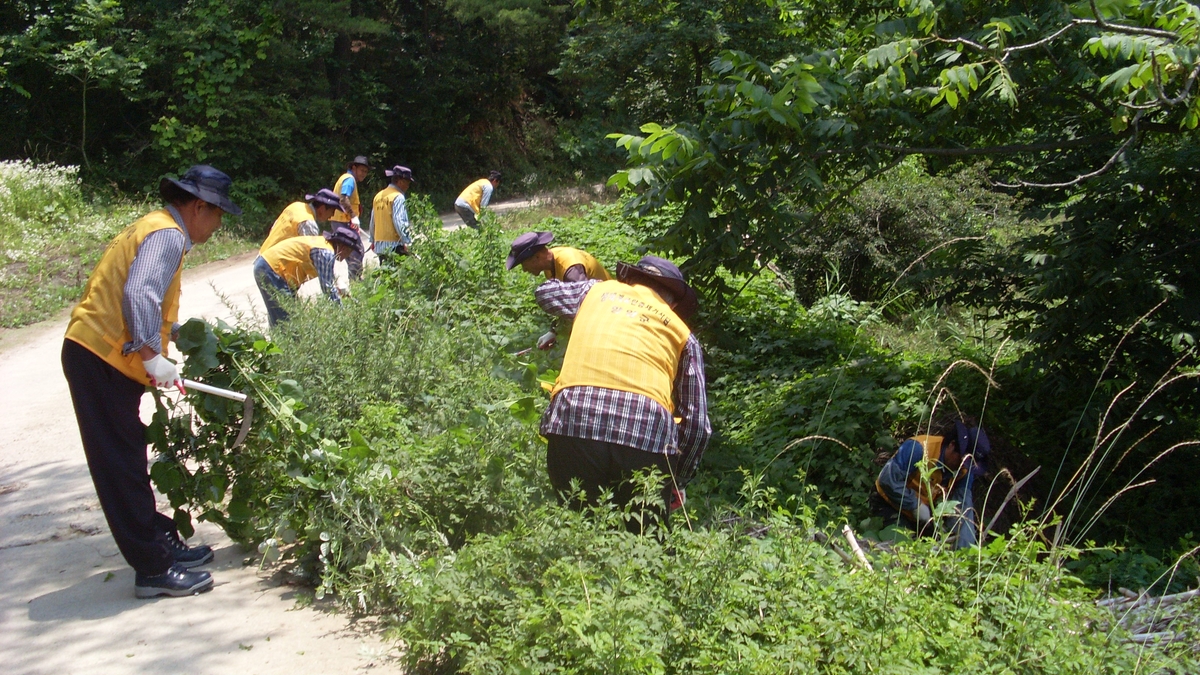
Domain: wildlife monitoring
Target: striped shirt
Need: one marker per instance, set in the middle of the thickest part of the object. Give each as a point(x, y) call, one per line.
point(153, 268)
point(626, 418)
point(401, 223)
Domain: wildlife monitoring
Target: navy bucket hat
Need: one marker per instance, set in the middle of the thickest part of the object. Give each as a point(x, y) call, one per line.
point(327, 197)
point(344, 235)
point(525, 246)
point(207, 184)
point(655, 271)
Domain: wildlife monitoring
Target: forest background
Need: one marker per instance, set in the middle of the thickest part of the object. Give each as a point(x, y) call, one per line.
point(930, 185)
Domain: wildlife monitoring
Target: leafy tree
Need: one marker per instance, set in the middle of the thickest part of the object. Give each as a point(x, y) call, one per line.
point(83, 45)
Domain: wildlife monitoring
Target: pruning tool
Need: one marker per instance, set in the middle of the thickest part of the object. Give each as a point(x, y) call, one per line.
point(246, 401)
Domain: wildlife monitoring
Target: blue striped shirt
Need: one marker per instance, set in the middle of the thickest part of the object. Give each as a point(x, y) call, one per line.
point(153, 268)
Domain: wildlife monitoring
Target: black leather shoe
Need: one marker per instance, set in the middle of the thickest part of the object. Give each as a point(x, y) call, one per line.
point(175, 582)
point(188, 556)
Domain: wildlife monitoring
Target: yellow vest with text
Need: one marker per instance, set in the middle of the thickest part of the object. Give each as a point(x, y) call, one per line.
point(287, 225)
point(566, 257)
point(338, 215)
point(473, 195)
point(292, 259)
point(385, 227)
point(97, 322)
point(625, 338)
point(932, 492)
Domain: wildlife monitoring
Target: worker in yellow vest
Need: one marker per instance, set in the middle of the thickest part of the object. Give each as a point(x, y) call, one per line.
point(116, 345)
point(928, 470)
point(346, 188)
point(474, 199)
point(631, 393)
point(564, 263)
point(303, 219)
point(391, 229)
point(283, 268)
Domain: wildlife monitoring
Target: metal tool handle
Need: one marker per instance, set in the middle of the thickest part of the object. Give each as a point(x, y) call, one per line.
point(215, 391)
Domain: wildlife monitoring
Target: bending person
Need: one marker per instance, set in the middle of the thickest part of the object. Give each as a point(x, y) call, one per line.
point(116, 344)
point(631, 394)
point(303, 219)
point(561, 262)
point(928, 470)
point(284, 267)
point(474, 199)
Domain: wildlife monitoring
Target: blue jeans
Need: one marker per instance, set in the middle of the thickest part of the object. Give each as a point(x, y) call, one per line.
point(271, 285)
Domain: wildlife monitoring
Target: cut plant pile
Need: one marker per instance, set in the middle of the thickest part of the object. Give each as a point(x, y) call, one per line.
point(394, 461)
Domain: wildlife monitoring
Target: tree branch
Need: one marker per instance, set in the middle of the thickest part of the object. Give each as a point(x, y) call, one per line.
point(997, 149)
point(1127, 30)
point(1112, 161)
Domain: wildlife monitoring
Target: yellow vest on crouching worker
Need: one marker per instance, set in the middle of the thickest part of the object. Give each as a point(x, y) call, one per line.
point(473, 194)
point(97, 322)
point(338, 215)
point(385, 226)
point(930, 491)
point(292, 258)
point(625, 338)
point(287, 225)
point(566, 257)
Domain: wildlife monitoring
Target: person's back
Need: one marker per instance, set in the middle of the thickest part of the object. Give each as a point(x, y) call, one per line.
point(287, 225)
point(292, 258)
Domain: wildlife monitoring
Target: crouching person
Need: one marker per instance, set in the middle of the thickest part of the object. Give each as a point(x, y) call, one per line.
point(116, 344)
point(632, 369)
point(928, 470)
point(283, 268)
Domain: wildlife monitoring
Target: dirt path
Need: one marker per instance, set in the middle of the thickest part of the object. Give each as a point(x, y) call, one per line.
point(66, 595)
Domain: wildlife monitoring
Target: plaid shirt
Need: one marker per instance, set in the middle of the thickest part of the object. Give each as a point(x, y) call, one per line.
point(625, 418)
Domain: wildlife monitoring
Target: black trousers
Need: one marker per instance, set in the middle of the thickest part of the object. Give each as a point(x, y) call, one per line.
point(598, 465)
point(114, 440)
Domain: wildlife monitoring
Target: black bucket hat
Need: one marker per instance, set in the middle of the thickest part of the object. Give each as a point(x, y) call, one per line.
point(327, 197)
point(526, 245)
point(655, 271)
point(344, 235)
point(361, 159)
point(207, 184)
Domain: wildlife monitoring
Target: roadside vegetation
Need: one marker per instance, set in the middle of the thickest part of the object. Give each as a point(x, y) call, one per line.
point(53, 230)
point(394, 464)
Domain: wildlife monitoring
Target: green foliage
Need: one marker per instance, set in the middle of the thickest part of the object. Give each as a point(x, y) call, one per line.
point(565, 592)
point(51, 235)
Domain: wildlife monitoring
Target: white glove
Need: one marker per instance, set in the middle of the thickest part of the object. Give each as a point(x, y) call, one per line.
point(356, 222)
point(547, 341)
point(163, 373)
point(923, 514)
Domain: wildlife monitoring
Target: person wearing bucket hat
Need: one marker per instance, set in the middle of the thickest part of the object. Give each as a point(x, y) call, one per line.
point(392, 232)
point(564, 263)
point(116, 345)
point(346, 188)
point(631, 392)
point(284, 267)
point(929, 469)
point(475, 197)
point(303, 219)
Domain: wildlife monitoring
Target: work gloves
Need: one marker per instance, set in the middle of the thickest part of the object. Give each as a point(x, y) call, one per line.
point(356, 222)
point(547, 341)
point(163, 373)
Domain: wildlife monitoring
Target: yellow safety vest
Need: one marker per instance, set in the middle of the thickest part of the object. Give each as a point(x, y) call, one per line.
point(932, 492)
point(292, 259)
point(97, 322)
point(566, 257)
point(625, 338)
point(338, 215)
point(385, 227)
point(473, 195)
point(287, 225)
